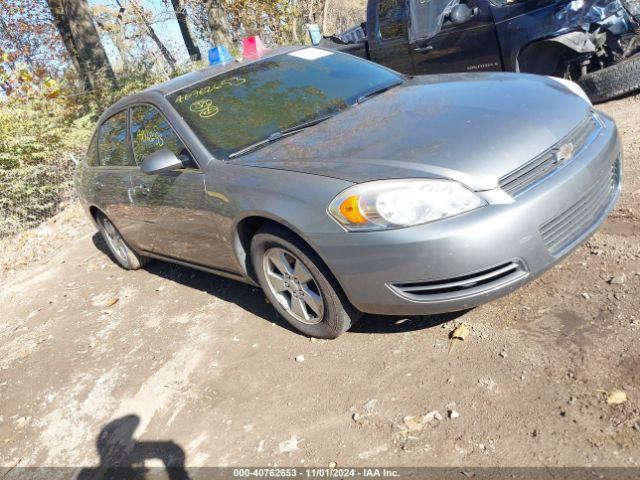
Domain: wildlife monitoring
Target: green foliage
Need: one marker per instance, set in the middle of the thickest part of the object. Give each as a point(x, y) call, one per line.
point(36, 138)
point(38, 135)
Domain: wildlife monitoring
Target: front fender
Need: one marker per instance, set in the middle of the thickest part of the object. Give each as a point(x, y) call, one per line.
point(562, 23)
point(298, 201)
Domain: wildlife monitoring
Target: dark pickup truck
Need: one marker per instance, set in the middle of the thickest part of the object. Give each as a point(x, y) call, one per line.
point(593, 42)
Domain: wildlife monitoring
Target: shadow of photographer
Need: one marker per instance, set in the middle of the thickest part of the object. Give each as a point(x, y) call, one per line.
point(123, 457)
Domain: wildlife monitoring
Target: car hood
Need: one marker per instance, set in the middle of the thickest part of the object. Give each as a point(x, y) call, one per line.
point(473, 128)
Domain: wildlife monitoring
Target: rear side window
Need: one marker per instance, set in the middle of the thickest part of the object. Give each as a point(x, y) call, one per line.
point(392, 21)
point(150, 132)
point(112, 142)
point(92, 153)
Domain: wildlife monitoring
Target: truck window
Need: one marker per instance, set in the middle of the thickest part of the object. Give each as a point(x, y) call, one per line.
point(427, 17)
point(391, 18)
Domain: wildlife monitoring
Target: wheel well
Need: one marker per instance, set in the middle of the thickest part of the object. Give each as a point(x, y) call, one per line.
point(245, 231)
point(93, 210)
point(545, 58)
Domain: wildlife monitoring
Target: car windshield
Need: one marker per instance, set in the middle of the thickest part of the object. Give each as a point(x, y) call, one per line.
point(237, 109)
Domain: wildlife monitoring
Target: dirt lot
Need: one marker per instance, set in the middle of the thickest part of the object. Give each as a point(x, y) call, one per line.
point(201, 365)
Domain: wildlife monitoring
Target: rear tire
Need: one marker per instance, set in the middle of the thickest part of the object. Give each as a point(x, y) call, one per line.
point(614, 81)
point(121, 252)
point(299, 285)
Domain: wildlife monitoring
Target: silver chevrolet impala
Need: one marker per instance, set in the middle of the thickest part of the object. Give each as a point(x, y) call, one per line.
point(342, 187)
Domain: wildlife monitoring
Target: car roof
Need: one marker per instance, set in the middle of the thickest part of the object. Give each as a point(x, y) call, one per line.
point(191, 78)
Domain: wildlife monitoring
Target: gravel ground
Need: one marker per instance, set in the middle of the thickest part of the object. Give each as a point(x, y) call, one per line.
point(195, 365)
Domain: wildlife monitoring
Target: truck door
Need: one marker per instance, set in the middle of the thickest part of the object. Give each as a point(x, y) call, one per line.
point(438, 45)
point(388, 35)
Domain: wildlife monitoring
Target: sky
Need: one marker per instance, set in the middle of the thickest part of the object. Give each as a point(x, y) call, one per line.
point(166, 28)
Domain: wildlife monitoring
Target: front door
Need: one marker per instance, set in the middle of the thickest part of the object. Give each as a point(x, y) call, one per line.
point(439, 46)
point(388, 35)
point(170, 208)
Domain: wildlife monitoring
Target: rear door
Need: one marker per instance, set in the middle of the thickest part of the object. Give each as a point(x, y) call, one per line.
point(388, 35)
point(172, 212)
point(110, 181)
point(439, 46)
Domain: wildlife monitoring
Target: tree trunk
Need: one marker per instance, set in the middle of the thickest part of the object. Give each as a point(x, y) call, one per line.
point(75, 24)
point(294, 21)
point(325, 15)
point(152, 34)
point(219, 23)
point(181, 16)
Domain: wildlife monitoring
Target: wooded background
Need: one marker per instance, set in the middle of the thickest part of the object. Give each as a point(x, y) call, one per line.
point(62, 62)
point(47, 38)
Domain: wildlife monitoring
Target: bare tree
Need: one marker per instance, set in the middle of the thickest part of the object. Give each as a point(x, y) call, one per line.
point(146, 23)
point(325, 15)
point(74, 22)
point(185, 30)
point(219, 23)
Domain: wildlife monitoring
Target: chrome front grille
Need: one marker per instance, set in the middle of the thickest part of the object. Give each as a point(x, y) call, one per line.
point(552, 159)
point(460, 286)
point(565, 229)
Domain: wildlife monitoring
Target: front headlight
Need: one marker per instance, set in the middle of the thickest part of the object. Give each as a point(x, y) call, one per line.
point(387, 204)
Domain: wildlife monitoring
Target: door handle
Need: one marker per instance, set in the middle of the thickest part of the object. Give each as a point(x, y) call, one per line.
point(424, 49)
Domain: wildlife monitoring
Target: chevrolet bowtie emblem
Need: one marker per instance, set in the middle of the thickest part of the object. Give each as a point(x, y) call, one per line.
point(565, 152)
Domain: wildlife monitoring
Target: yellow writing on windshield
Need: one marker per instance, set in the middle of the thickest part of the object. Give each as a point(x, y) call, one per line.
point(199, 92)
point(205, 107)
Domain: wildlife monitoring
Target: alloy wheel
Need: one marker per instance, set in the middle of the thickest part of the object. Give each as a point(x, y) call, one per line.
point(293, 285)
point(115, 241)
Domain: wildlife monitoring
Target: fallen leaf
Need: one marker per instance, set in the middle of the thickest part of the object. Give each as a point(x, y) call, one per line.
point(413, 424)
point(112, 302)
point(460, 333)
point(290, 445)
point(431, 416)
point(616, 397)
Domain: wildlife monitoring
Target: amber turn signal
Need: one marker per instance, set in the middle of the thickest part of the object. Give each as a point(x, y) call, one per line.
point(351, 210)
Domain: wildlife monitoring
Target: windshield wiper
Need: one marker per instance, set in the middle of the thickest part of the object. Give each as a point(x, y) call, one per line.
point(275, 136)
point(367, 96)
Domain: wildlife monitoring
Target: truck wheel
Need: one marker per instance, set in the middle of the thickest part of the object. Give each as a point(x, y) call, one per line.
point(127, 258)
point(614, 81)
point(299, 286)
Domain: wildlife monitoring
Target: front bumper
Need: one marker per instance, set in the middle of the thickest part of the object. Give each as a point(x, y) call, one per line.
point(462, 262)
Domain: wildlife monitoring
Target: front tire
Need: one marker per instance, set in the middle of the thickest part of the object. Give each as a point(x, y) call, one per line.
point(123, 254)
point(299, 285)
point(612, 82)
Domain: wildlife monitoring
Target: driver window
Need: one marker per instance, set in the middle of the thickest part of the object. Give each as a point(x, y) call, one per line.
point(391, 17)
point(150, 132)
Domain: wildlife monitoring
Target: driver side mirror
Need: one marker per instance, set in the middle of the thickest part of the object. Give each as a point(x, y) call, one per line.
point(460, 14)
point(161, 161)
